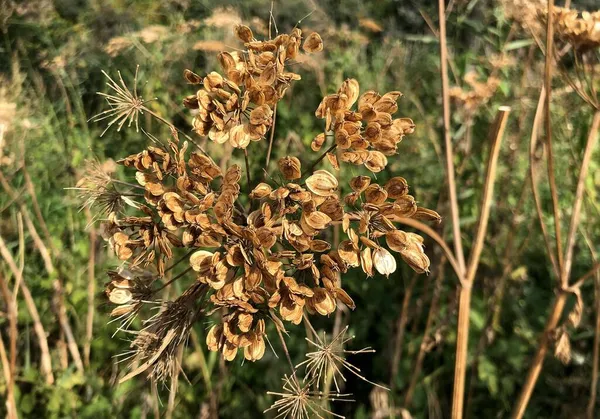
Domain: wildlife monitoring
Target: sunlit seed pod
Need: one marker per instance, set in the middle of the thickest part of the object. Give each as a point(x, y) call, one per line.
point(375, 194)
point(366, 261)
point(322, 183)
point(350, 88)
point(197, 257)
point(317, 142)
point(120, 296)
point(313, 43)
point(348, 253)
point(317, 220)
point(384, 261)
point(244, 33)
point(427, 214)
point(376, 161)
point(290, 167)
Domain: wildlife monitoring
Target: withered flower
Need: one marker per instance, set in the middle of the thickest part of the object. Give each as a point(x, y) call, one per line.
point(256, 251)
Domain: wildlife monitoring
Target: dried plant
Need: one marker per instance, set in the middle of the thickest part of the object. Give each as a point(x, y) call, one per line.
point(261, 254)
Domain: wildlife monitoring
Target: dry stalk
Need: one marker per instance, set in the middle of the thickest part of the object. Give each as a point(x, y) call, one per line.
point(563, 278)
point(57, 285)
point(458, 249)
point(46, 360)
point(11, 412)
point(11, 367)
point(400, 329)
point(466, 286)
point(91, 290)
point(431, 315)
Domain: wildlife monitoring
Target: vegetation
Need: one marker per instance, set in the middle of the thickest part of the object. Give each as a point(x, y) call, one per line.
point(503, 97)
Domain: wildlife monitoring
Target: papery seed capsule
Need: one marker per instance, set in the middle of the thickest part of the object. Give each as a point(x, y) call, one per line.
point(384, 261)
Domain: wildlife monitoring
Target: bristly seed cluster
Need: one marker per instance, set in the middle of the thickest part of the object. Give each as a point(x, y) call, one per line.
point(261, 255)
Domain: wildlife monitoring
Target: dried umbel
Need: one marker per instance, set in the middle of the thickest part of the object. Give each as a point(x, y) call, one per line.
point(581, 30)
point(577, 50)
point(264, 254)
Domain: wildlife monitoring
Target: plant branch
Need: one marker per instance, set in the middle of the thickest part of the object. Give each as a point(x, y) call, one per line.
point(454, 213)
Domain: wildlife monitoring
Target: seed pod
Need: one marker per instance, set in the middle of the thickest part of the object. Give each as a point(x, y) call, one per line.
point(192, 77)
point(384, 262)
point(261, 190)
point(376, 161)
point(317, 220)
point(360, 183)
point(318, 142)
point(350, 88)
point(396, 187)
point(197, 257)
point(244, 33)
point(322, 183)
point(256, 349)
point(290, 167)
point(375, 194)
point(427, 214)
point(366, 261)
point(313, 43)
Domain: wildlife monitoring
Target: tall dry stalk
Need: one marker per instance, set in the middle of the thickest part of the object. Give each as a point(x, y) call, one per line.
point(561, 260)
point(466, 286)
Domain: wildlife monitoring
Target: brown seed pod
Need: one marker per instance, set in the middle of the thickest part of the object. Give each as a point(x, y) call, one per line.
point(244, 33)
point(375, 194)
point(360, 183)
point(313, 43)
point(322, 183)
point(396, 187)
point(290, 167)
point(376, 161)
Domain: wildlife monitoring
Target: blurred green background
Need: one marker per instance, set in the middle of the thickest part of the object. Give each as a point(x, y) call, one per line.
point(51, 56)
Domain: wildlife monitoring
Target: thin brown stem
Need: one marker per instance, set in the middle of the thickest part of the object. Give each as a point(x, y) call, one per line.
point(433, 311)
point(312, 166)
point(538, 359)
point(272, 134)
point(464, 304)
point(575, 216)
point(91, 290)
point(548, 120)
point(454, 213)
point(46, 360)
point(11, 368)
point(400, 329)
point(534, 186)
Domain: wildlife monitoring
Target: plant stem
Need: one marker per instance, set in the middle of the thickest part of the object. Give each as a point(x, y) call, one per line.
point(248, 171)
point(548, 120)
point(272, 134)
point(401, 328)
point(433, 310)
point(538, 359)
point(466, 286)
point(587, 156)
point(458, 249)
point(312, 166)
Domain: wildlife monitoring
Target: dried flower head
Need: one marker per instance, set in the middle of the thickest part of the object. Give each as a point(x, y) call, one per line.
point(261, 252)
point(300, 402)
